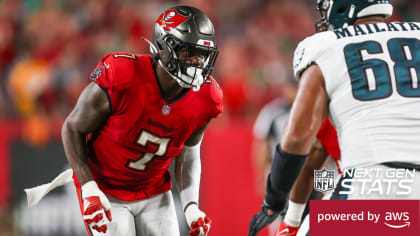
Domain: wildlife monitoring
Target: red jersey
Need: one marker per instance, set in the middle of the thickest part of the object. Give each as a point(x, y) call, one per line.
point(329, 140)
point(130, 156)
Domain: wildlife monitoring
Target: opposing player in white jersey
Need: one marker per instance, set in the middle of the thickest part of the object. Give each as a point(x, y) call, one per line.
point(370, 74)
point(364, 74)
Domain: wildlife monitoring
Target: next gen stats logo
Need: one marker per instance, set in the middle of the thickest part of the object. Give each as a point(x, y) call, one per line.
point(368, 181)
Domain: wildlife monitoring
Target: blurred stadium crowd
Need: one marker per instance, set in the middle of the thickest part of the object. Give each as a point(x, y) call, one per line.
point(49, 47)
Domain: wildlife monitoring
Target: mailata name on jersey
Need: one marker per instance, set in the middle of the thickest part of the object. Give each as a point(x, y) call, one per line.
point(375, 28)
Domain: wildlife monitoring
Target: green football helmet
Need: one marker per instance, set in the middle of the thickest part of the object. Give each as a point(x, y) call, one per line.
point(342, 13)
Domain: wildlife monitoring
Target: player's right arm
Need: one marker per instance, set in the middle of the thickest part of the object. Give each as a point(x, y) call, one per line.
point(325, 144)
point(91, 110)
point(301, 191)
point(302, 188)
point(110, 76)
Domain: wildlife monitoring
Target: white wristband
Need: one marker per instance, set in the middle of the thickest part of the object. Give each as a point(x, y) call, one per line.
point(294, 213)
point(90, 188)
point(192, 213)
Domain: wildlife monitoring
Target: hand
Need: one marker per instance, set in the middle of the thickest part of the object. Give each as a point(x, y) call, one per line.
point(286, 230)
point(95, 207)
point(197, 220)
point(262, 219)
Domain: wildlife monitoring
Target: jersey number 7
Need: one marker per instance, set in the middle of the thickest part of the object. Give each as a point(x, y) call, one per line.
point(144, 139)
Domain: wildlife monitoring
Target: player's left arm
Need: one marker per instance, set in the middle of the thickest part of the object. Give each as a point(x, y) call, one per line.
point(307, 114)
point(187, 176)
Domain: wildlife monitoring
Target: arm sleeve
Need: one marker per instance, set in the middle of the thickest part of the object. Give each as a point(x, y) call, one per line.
point(188, 174)
point(285, 169)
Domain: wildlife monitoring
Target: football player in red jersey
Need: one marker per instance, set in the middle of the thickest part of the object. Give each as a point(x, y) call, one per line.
point(139, 113)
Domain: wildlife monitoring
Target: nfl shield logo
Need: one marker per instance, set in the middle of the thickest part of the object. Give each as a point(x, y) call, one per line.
point(166, 109)
point(323, 180)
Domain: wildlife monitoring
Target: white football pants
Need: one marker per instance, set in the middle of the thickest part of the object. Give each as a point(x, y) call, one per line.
point(155, 216)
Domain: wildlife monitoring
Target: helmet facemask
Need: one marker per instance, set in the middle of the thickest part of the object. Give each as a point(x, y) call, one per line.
point(189, 64)
point(334, 14)
point(322, 7)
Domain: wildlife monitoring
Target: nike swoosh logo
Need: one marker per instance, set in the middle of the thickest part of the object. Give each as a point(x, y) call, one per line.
point(86, 206)
point(286, 230)
point(106, 65)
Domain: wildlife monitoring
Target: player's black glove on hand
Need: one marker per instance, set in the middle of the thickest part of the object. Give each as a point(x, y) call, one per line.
point(261, 219)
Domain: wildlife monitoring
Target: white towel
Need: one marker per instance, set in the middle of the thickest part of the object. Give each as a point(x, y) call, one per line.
point(35, 194)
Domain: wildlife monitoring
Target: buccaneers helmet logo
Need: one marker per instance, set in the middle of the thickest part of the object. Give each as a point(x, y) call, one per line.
point(170, 19)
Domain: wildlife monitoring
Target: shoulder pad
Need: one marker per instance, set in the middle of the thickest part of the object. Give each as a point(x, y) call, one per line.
point(115, 70)
point(307, 52)
point(215, 94)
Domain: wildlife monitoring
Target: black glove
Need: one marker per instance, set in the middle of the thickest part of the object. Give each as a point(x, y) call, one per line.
point(261, 219)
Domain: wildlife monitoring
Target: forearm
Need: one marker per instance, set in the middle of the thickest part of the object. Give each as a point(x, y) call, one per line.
point(74, 144)
point(284, 171)
point(304, 184)
point(302, 188)
point(187, 174)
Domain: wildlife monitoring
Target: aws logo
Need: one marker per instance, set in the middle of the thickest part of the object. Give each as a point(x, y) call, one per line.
point(170, 19)
point(397, 220)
